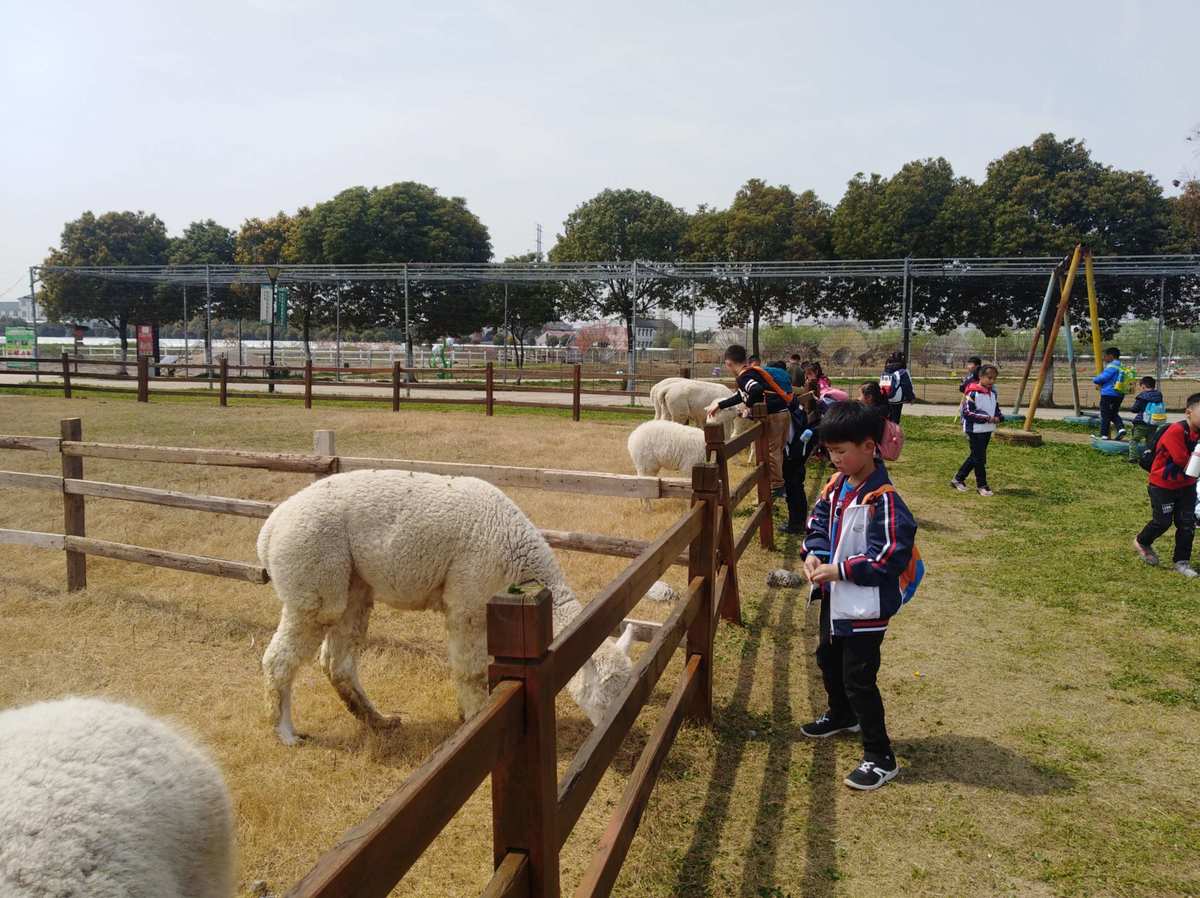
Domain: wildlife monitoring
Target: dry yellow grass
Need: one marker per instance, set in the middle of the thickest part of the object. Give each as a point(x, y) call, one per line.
point(1016, 685)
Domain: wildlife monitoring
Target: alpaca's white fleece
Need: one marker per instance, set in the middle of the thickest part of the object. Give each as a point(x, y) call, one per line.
point(658, 445)
point(686, 401)
point(100, 800)
point(656, 396)
point(414, 541)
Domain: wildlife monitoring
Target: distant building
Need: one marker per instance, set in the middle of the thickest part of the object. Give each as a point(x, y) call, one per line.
point(20, 308)
point(562, 333)
point(649, 332)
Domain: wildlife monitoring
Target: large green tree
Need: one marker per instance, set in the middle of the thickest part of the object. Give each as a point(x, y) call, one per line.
point(522, 307)
point(205, 243)
point(762, 223)
point(621, 226)
point(114, 238)
point(402, 222)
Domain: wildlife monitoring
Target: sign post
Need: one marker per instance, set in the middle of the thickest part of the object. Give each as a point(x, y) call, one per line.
point(19, 343)
point(145, 340)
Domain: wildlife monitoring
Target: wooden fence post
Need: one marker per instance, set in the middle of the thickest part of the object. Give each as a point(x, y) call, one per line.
point(525, 779)
point(489, 401)
point(729, 601)
point(685, 372)
point(308, 383)
point(396, 386)
point(143, 378)
point(66, 363)
point(73, 510)
point(576, 406)
point(702, 562)
point(766, 529)
point(324, 443)
point(224, 394)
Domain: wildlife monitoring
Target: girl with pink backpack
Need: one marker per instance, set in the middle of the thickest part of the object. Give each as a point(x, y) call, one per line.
point(892, 442)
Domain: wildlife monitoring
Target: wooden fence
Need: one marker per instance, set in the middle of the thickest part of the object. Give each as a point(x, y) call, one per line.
point(513, 739)
point(316, 381)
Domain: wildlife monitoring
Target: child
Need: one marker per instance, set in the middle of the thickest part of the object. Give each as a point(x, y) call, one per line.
point(972, 373)
point(812, 371)
point(856, 575)
point(1149, 414)
point(980, 415)
point(872, 397)
point(752, 388)
point(1172, 492)
point(1111, 396)
point(896, 384)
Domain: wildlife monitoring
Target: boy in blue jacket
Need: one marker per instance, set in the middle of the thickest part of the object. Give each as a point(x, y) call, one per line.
point(859, 574)
point(1111, 397)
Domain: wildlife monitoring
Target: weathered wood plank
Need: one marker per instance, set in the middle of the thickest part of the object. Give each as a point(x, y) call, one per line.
point(747, 484)
point(233, 458)
point(371, 857)
point(748, 534)
point(583, 635)
point(600, 544)
point(602, 873)
point(33, 538)
point(742, 440)
point(46, 482)
point(246, 508)
point(555, 480)
point(32, 444)
point(193, 564)
point(511, 879)
point(592, 760)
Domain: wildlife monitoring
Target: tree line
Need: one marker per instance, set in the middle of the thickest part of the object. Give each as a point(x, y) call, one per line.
point(1035, 200)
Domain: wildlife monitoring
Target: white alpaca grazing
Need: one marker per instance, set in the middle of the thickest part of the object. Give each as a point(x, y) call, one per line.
point(656, 396)
point(101, 800)
point(413, 541)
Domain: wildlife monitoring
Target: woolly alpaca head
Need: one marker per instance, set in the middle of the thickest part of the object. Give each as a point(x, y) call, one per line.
point(602, 678)
point(720, 415)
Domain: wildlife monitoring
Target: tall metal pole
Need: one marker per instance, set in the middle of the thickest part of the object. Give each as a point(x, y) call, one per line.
point(1093, 309)
point(906, 311)
point(337, 331)
point(507, 332)
point(692, 360)
point(208, 356)
point(633, 328)
point(33, 314)
point(1053, 336)
point(1043, 323)
point(1162, 301)
point(408, 346)
point(186, 358)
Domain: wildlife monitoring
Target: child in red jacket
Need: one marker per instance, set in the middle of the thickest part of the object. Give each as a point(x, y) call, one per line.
point(1173, 492)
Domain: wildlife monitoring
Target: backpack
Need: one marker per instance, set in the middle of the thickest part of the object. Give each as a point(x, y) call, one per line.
point(892, 442)
point(892, 386)
point(1125, 379)
point(1154, 412)
point(799, 416)
point(1146, 460)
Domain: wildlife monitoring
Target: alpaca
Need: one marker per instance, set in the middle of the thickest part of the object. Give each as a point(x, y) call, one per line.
point(413, 541)
point(685, 401)
point(101, 800)
point(655, 445)
point(656, 396)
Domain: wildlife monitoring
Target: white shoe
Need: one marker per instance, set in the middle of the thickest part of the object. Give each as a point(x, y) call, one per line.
point(958, 485)
point(1182, 567)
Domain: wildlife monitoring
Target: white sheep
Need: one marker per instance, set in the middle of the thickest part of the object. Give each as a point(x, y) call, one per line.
point(683, 401)
point(656, 396)
point(658, 445)
point(101, 800)
point(413, 541)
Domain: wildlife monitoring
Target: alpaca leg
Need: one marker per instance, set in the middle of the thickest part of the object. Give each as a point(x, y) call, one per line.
point(642, 471)
point(295, 640)
point(467, 629)
point(340, 652)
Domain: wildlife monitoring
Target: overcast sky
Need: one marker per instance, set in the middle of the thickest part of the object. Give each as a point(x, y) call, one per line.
point(227, 110)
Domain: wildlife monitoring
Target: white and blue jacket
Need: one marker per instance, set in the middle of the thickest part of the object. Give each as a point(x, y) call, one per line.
point(980, 407)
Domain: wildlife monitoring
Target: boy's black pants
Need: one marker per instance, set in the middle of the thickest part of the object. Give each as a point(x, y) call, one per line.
point(849, 665)
point(1167, 507)
point(977, 460)
point(1110, 413)
point(793, 487)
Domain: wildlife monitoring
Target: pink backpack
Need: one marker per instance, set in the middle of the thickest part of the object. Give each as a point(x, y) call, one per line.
point(893, 441)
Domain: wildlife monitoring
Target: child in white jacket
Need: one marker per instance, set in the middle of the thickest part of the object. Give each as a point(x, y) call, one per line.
point(980, 415)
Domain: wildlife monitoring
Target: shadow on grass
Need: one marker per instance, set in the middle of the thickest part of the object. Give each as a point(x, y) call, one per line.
point(976, 761)
point(735, 724)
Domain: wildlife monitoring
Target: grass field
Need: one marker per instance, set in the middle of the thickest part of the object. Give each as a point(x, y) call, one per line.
point(1043, 690)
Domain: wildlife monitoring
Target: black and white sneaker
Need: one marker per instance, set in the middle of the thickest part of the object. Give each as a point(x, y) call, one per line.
point(869, 775)
point(825, 726)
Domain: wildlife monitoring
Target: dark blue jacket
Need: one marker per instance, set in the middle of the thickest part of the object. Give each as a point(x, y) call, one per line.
point(891, 534)
point(1141, 400)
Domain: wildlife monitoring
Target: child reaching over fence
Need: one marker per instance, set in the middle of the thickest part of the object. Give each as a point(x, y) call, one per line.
point(859, 554)
point(980, 415)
